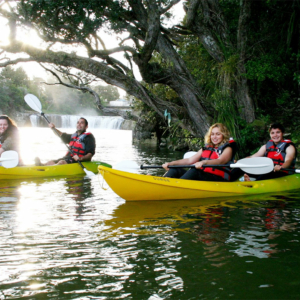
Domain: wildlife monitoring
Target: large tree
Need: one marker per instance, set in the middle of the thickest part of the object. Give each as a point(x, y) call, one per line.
point(221, 27)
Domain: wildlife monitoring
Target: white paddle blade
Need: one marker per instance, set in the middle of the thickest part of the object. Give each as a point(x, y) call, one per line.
point(189, 154)
point(126, 165)
point(33, 102)
point(9, 159)
point(88, 173)
point(255, 165)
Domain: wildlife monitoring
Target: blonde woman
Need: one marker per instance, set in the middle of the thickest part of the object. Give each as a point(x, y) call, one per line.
point(219, 149)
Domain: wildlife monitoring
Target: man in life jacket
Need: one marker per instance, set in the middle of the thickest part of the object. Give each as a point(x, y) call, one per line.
point(282, 151)
point(81, 143)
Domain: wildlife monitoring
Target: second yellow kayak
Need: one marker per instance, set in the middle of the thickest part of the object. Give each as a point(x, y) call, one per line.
point(135, 187)
point(49, 171)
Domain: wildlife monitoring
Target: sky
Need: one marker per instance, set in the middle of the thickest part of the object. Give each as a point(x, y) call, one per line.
point(33, 69)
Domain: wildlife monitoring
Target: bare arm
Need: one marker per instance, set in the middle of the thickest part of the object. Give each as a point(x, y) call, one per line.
point(87, 157)
point(52, 126)
point(185, 161)
point(290, 156)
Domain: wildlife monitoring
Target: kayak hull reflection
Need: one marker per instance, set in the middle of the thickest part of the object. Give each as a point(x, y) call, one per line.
point(49, 171)
point(135, 187)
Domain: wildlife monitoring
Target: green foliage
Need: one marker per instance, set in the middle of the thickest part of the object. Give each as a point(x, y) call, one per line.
point(251, 138)
point(72, 19)
point(11, 97)
point(13, 84)
point(16, 76)
point(57, 99)
point(204, 68)
point(268, 66)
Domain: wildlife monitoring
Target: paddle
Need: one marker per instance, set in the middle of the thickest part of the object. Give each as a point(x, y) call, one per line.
point(36, 105)
point(254, 165)
point(291, 170)
point(132, 165)
point(9, 159)
point(189, 154)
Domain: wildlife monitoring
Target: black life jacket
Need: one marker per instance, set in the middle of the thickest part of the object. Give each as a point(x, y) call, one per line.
point(209, 152)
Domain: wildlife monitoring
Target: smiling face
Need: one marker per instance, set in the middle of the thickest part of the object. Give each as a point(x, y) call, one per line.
point(3, 125)
point(81, 126)
point(276, 135)
point(216, 136)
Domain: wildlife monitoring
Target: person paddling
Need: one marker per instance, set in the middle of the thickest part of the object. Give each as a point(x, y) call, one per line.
point(9, 135)
point(282, 151)
point(81, 143)
point(219, 149)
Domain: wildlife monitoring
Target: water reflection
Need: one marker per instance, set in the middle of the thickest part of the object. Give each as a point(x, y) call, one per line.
point(67, 238)
point(80, 190)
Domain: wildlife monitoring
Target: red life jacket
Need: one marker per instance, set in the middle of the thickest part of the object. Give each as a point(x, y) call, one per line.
point(278, 152)
point(77, 144)
point(209, 152)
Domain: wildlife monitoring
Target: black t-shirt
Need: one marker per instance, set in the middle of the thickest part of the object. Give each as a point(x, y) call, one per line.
point(89, 141)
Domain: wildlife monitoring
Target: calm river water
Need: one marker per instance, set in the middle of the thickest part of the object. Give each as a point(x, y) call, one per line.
point(67, 238)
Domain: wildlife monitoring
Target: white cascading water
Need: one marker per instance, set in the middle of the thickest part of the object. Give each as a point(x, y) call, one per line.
point(34, 120)
point(70, 121)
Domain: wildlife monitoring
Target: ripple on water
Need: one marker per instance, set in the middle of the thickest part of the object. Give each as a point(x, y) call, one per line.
point(66, 238)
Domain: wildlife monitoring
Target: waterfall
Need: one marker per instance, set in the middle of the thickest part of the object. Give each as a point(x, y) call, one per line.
point(34, 120)
point(70, 121)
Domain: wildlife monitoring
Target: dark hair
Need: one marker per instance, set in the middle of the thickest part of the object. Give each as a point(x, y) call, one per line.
point(85, 120)
point(276, 126)
point(12, 127)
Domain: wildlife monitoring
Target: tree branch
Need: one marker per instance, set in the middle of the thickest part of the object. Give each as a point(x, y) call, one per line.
point(197, 23)
point(80, 88)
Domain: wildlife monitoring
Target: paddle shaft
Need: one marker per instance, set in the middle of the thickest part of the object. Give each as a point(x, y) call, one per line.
point(291, 170)
point(183, 166)
point(56, 132)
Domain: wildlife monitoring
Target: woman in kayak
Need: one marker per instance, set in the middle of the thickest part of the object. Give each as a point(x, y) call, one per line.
point(219, 149)
point(282, 152)
point(9, 134)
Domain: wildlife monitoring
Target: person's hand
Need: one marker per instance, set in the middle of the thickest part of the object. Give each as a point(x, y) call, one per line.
point(165, 166)
point(199, 164)
point(277, 168)
point(51, 125)
point(76, 158)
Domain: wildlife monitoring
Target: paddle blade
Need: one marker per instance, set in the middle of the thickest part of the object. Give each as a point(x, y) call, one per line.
point(9, 159)
point(126, 165)
point(33, 102)
point(189, 154)
point(255, 165)
point(88, 173)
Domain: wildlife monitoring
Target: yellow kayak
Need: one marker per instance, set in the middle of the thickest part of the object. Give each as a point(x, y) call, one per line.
point(49, 171)
point(137, 187)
